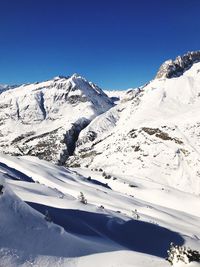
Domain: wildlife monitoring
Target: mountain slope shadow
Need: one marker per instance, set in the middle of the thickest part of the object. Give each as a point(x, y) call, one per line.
point(132, 234)
point(14, 174)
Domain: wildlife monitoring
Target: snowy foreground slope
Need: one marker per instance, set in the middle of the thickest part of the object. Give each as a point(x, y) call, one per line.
point(121, 225)
point(153, 133)
point(44, 119)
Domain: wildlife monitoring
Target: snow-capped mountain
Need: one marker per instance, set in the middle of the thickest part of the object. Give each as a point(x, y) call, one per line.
point(134, 180)
point(153, 133)
point(44, 119)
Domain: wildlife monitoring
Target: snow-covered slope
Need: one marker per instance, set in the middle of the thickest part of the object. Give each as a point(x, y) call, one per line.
point(121, 225)
point(152, 133)
point(115, 95)
point(44, 119)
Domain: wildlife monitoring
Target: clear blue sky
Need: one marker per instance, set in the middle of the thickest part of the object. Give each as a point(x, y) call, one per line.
point(114, 43)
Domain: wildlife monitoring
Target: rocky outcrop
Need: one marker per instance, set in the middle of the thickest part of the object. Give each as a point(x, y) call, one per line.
point(70, 139)
point(175, 68)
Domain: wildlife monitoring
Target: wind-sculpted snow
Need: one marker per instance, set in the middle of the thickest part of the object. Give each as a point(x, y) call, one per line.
point(28, 239)
point(131, 234)
point(154, 132)
point(45, 224)
point(11, 173)
point(35, 119)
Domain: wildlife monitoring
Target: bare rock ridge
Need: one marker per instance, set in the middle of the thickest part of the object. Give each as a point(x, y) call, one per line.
point(175, 68)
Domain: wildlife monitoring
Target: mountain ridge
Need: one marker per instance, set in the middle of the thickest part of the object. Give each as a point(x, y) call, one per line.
point(175, 68)
point(41, 112)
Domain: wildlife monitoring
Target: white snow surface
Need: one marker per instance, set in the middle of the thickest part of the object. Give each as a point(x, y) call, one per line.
point(116, 95)
point(153, 133)
point(88, 235)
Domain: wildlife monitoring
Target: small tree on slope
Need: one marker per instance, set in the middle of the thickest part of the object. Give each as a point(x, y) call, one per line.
point(82, 198)
point(1, 189)
point(182, 254)
point(47, 216)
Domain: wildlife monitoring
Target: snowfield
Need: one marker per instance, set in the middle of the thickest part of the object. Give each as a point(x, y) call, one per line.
point(120, 225)
point(126, 182)
point(116, 95)
point(152, 133)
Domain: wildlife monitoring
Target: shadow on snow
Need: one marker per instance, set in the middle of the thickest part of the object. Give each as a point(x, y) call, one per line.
point(14, 174)
point(134, 235)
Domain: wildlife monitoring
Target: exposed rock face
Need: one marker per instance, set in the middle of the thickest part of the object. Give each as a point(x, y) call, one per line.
point(44, 119)
point(171, 69)
point(71, 138)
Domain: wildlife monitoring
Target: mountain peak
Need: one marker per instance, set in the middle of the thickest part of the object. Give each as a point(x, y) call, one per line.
point(175, 68)
point(60, 77)
point(76, 75)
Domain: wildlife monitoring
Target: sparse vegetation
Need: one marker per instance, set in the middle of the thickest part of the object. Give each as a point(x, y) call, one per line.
point(182, 254)
point(47, 216)
point(1, 189)
point(160, 134)
point(89, 154)
point(132, 185)
point(135, 214)
point(136, 148)
point(82, 198)
point(106, 176)
point(132, 133)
